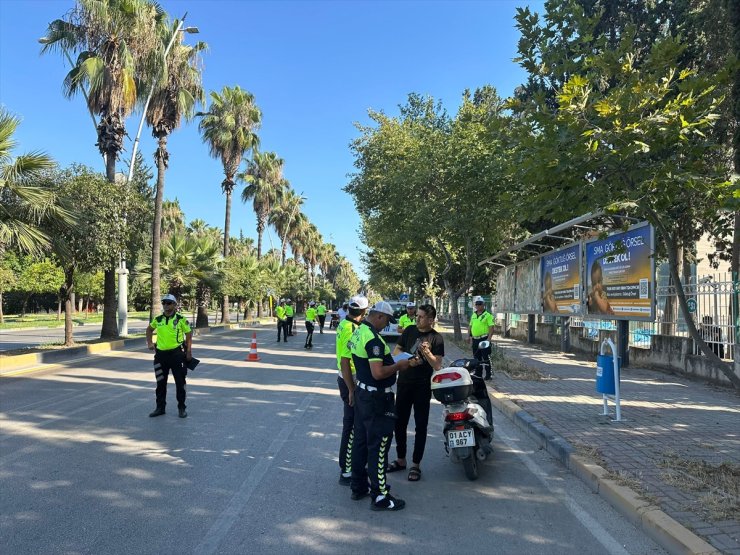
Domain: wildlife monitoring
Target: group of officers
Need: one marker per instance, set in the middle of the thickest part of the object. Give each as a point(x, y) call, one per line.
point(368, 372)
point(284, 312)
point(373, 414)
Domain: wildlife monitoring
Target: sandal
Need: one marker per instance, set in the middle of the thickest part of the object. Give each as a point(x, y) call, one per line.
point(395, 467)
point(414, 474)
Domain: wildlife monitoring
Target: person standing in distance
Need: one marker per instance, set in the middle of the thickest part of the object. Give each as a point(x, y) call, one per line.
point(346, 381)
point(415, 386)
point(343, 311)
point(282, 321)
point(375, 408)
point(480, 329)
point(310, 323)
point(289, 313)
point(169, 353)
point(321, 311)
point(408, 319)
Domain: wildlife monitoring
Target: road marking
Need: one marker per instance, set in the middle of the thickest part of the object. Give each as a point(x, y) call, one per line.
point(612, 546)
point(228, 518)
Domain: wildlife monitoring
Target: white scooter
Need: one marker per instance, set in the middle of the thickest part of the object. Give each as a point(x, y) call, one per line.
point(468, 426)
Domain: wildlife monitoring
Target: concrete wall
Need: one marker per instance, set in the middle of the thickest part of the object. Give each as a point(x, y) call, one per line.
point(668, 353)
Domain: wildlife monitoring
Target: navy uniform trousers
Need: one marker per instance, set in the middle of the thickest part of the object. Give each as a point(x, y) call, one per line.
point(375, 419)
point(164, 361)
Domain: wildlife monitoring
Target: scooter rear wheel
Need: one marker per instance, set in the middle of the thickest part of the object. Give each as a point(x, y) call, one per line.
point(470, 465)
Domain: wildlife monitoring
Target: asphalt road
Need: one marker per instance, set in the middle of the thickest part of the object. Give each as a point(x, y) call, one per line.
point(25, 338)
point(253, 469)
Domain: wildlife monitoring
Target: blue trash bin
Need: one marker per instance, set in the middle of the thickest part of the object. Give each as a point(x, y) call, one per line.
point(605, 374)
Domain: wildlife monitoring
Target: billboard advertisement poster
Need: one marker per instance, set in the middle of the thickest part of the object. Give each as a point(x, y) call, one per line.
point(560, 288)
point(527, 299)
point(620, 275)
point(505, 285)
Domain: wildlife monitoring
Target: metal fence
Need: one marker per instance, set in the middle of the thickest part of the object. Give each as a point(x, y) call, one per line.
point(710, 302)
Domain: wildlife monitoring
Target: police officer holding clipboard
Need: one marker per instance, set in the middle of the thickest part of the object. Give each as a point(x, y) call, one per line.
point(375, 410)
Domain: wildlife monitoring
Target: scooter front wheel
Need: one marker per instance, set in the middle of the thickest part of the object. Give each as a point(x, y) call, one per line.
point(470, 465)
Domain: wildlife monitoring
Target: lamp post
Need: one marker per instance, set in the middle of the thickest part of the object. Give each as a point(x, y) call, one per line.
point(122, 270)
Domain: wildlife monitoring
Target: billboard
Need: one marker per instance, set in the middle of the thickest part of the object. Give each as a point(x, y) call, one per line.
point(560, 286)
point(505, 286)
point(527, 298)
point(620, 275)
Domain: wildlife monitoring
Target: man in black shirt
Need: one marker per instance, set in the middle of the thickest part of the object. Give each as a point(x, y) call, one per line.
point(415, 386)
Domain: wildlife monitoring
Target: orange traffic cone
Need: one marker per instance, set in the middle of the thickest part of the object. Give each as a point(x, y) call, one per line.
point(253, 351)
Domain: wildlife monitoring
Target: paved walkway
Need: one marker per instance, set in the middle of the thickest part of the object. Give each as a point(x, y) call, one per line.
point(672, 431)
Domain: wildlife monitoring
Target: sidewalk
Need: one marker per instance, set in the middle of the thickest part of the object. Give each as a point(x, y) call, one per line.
point(670, 427)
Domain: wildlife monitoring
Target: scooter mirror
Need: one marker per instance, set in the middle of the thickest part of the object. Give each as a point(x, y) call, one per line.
point(459, 363)
point(484, 344)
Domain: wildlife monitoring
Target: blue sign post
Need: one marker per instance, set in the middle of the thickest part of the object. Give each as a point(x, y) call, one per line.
point(403, 297)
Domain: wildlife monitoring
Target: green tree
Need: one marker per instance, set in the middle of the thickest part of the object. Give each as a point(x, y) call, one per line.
point(100, 207)
point(286, 217)
point(631, 131)
point(40, 278)
point(24, 203)
point(265, 186)
point(228, 128)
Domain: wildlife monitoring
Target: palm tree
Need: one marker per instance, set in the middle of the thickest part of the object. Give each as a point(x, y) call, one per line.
point(113, 39)
point(228, 128)
point(265, 186)
point(311, 249)
point(173, 219)
point(286, 218)
point(25, 201)
point(174, 98)
point(206, 269)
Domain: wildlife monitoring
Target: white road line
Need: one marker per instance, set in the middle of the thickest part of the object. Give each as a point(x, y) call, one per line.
point(612, 546)
point(228, 518)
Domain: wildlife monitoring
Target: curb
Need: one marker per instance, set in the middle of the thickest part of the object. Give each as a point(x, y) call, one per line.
point(664, 530)
point(14, 365)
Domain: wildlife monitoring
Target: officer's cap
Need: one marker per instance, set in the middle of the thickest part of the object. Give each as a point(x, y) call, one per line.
point(478, 300)
point(412, 304)
point(384, 308)
point(358, 302)
point(169, 297)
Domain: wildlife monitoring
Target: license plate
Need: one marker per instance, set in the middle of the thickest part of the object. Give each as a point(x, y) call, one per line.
point(460, 438)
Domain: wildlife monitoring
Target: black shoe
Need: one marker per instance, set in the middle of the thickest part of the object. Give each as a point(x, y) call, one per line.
point(356, 496)
point(387, 503)
point(181, 413)
point(345, 480)
point(159, 411)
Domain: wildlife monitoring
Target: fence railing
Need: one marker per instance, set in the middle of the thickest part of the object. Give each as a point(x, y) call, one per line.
point(709, 298)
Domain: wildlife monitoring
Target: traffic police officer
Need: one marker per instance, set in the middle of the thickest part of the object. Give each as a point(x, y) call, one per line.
point(310, 321)
point(481, 329)
point(408, 319)
point(282, 320)
point(289, 316)
point(346, 382)
point(375, 412)
point(321, 311)
point(172, 331)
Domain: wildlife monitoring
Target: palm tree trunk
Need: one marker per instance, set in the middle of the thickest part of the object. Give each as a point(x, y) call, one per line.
point(157, 226)
point(227, 224)
point(2, 317)
point(110, 322)
point(259, 244)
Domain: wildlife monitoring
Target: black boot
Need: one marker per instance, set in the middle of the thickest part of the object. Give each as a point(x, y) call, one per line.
point(159, 411)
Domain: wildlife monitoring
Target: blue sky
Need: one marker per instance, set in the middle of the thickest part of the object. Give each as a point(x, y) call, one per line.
point(314, 67)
